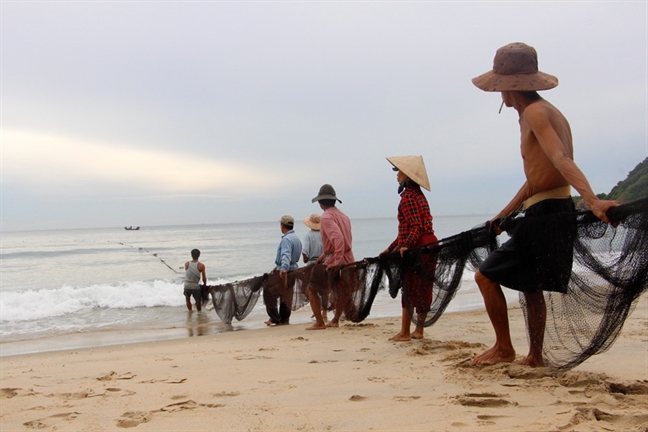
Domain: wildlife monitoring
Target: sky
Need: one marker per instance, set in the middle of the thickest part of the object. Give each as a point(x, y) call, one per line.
point(145, 113)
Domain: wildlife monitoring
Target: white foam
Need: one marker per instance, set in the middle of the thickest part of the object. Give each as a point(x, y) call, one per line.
point(44, 303)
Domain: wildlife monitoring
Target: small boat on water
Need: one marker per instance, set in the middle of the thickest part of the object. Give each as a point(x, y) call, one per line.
point(130, 228)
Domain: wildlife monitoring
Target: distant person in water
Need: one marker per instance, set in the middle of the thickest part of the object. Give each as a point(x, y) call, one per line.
point(414, 230)
point(288, 254)
point(194, 270)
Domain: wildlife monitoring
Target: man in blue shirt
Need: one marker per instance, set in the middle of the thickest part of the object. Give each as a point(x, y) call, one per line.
point(288, 254)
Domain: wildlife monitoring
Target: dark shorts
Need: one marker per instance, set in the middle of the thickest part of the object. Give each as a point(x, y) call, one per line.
point(539, 253)
point(195, 293)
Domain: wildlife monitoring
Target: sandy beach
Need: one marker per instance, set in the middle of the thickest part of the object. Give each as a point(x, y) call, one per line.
point(346, 379)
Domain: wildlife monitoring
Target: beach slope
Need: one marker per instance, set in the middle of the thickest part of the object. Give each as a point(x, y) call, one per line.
point(346, 379)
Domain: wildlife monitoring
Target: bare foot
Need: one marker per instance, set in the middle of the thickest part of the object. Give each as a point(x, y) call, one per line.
point(532, 361)
point(417, 335)
point(493, 356)
point(401, 337)
point(333, 324)
point(269, 323)
point(316, 327)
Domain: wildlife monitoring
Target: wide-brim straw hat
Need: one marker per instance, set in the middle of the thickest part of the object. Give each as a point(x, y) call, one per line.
point(326, 192)
point(413, 167)
point(515, 68)
point(313, 222)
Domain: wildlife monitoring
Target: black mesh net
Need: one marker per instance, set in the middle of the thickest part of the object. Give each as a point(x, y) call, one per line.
point(609, 271)
point(593, 290)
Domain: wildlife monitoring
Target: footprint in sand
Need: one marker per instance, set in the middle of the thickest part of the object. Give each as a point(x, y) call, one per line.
point(186, 405)
point(252, 357)
point(167, 381)
point(112, 375)
point(406, 398)
point(119, 392)
point(132, 418)
point(634, 388)
point(607, 421)
point(417, 352)
point(376, 379)
point(516, 371)
point(9, 392)
point(357, 398)
point(79, 395)
point(51, 421)
point(225, 394)
point(490, 417)
point(485, 400)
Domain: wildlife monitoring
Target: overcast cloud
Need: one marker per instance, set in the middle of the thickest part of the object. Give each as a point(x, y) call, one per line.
point(160, 113)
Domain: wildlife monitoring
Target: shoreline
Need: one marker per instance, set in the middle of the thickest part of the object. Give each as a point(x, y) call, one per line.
point(350, 378)
point(188, 326)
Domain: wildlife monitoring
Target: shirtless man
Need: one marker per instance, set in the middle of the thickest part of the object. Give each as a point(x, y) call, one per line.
point(547, 155)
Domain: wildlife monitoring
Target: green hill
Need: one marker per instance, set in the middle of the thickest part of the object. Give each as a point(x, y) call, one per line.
point(634, 187)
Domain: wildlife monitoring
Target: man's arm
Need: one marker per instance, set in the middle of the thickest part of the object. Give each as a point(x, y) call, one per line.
point(285, 255)
point(515, 203)
point(306, 245)
point(555, 151)
point(203, 271)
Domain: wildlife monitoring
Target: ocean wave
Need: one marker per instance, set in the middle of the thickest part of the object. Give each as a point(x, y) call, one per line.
point(16, 306)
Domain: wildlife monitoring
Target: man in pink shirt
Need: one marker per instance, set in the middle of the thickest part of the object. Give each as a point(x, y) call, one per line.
point(336, 239)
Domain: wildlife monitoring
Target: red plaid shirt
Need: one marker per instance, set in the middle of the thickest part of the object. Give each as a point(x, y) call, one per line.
point(414, 218)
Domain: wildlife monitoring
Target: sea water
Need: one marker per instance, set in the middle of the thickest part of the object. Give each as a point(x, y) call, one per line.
point(72, 288)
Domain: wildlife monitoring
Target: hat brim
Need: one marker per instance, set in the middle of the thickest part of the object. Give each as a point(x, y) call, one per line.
point(493, 82)
point(312, 225)
point(325, 196)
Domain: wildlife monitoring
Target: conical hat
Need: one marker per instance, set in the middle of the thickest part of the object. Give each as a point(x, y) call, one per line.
point(413, 167)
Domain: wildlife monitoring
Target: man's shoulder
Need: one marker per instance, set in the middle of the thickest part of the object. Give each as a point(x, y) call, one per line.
point(541, 108)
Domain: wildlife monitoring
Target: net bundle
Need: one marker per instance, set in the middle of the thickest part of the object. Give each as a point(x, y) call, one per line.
point(595, 291)
point(590, 296)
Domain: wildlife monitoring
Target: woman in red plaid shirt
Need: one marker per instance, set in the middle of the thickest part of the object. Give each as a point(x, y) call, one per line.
point(414, 229)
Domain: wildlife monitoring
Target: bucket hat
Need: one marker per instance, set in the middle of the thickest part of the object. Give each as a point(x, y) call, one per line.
point(326, 192)
point(515, 68)
point(413, 167)
point(313, 222)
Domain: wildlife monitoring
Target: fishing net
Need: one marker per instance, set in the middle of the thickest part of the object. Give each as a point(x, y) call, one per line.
point(594, 292)
point(608, 273)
